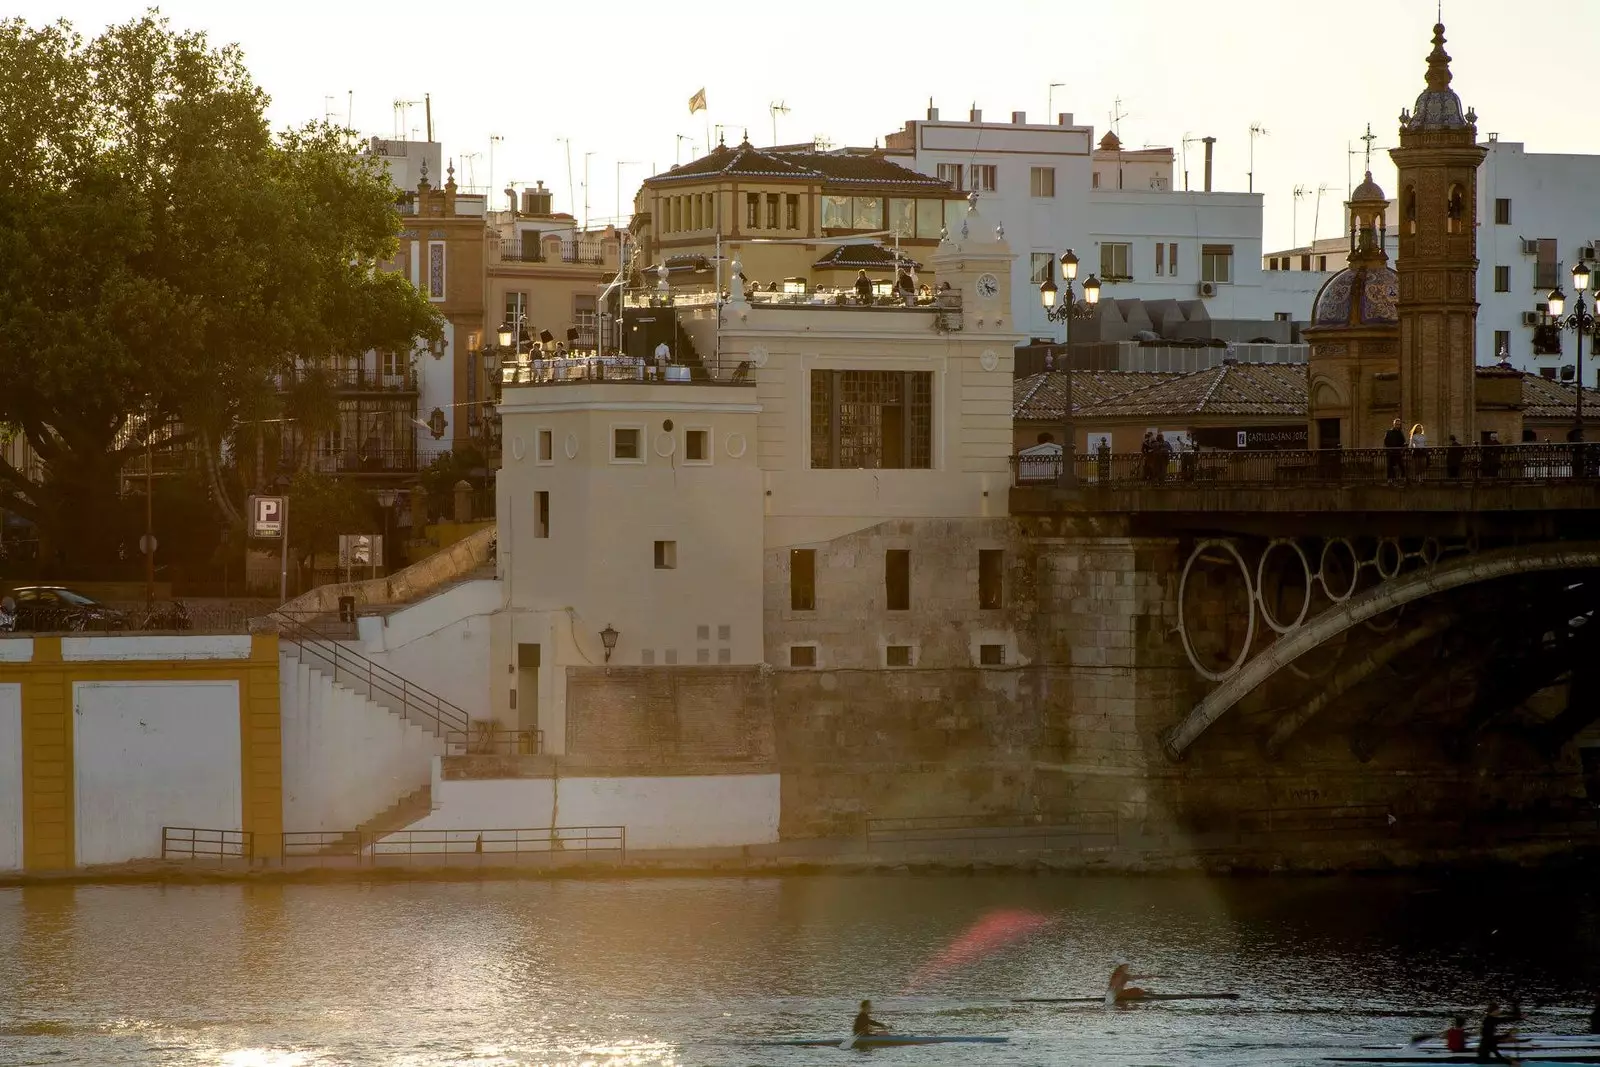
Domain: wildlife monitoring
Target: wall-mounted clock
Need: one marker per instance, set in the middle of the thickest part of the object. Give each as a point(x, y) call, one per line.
point(988, 286)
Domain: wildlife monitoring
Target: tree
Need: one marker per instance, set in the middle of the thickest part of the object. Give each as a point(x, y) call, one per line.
point(164, 254)
point(320, 509)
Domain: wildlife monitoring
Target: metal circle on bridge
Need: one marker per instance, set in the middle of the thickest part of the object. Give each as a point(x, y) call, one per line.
point(1355, 569)
point(1250, 599)
point(1261, 585)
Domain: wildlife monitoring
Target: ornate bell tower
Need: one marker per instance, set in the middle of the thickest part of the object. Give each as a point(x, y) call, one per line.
point(1437, 261)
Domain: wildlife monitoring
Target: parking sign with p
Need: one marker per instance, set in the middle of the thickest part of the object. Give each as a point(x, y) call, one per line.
point(266, 516)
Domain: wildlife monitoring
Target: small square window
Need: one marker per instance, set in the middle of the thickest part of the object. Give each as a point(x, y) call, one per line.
point(697, 446)
point(647, 656)
point(666, 555)
point(802, 655)
point(992, 655)
point(702, 633)
point(897, 655)
point(702, 655)
point(670, 657)
point(724, 655)
point(724, 632)
point(625, 443)
point(547, 446)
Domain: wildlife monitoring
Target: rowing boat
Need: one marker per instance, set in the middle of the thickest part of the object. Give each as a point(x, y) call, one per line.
point(1148, 997)
point(1526, 1057)
point(890, 1040)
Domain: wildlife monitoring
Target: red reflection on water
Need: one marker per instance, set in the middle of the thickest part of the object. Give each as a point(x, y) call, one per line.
point(983, 938)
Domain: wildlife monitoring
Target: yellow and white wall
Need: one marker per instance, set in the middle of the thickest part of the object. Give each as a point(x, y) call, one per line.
point(104, 740)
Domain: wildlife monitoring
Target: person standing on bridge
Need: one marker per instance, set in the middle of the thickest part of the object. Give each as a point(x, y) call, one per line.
point(1419, 450)
point(1394, 444)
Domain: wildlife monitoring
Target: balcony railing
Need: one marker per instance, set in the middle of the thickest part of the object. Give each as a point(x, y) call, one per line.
point(1458, 465)
point(615, 369)
point(589, 253)
point(362, 461)
point(822, 297)
point(356, 379)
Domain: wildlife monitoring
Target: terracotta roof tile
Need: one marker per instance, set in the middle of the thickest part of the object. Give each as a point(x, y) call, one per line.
point(1038, 397)
point(1274, 389)
point(836, 171)
point(863, 257)
point(1543, 398)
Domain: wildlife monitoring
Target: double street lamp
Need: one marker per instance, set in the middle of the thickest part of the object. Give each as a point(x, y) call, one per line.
point(1579, 322)
point(1065, 309)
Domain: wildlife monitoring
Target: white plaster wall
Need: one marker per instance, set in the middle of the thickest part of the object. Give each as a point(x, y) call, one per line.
point(441, 643)
point(152, 754)
point(16, 649)
point(437, 376)
point(698, 811)
point(345, 759)
point(10, 776)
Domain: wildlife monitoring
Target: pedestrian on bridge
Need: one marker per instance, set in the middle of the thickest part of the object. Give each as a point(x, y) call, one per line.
point(1394, 443)
point(1419, 450)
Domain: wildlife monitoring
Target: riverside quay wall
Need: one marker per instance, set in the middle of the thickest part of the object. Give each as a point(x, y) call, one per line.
point(1035, 674)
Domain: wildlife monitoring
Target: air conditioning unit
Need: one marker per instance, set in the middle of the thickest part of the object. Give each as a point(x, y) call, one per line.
point(1586, 252)
point(1208, 288)
point(1530, 318)
point(1530, 247)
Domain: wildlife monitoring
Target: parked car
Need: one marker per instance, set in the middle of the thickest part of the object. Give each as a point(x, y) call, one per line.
point(44, 608)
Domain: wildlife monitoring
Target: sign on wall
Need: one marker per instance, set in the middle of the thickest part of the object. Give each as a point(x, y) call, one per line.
point(266, 516)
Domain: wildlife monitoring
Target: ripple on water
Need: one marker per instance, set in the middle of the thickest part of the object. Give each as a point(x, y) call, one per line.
point(690, 973)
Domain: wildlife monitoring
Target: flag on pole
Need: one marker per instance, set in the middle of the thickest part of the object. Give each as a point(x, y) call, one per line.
point(697, 102)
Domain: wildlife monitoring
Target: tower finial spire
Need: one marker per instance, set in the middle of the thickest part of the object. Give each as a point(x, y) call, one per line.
point(1438, 62)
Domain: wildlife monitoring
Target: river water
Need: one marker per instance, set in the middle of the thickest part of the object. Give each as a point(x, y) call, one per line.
point(696, 971)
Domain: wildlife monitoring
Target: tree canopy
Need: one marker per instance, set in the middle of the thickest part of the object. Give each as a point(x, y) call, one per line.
point(164, 254)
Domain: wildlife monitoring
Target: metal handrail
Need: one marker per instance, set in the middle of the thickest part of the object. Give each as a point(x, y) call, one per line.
point(538, 839)
point(493, 742)
point(415, 700)
point(960, 827)
point(197, 842)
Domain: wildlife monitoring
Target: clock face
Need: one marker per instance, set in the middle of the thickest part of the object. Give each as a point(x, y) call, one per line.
point(988, 285)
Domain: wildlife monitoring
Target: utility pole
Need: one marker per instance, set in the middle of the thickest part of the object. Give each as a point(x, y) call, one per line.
point(586, 156)
point(1050, 101)
point(494, 139)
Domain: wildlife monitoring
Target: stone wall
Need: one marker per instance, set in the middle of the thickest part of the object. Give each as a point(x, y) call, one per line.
point(660, 718)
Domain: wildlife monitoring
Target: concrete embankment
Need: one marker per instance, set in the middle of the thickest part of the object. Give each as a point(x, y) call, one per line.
point(832, 857)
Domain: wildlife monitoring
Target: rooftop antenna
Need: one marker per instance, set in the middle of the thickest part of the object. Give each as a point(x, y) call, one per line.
point(469, 160)
point(1187, 141)
point(1050, 101)
point(677, 151)
point(327, 108)
point(780, 108)
point(1117, 115)
point(1316, 214)
point(1300, 193)
point(1256, 130)
point(350, 110)
point(494, 139)
point(404, 117)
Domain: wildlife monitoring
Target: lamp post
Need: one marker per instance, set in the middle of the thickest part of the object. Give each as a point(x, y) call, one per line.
point(386, 501)
point(1579, 322)
point(1066, 310)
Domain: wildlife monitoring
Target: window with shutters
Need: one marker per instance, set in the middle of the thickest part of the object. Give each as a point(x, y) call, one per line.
point(1116, 261)
point(1042, 181)
point(951, 172)
point(1216, 263)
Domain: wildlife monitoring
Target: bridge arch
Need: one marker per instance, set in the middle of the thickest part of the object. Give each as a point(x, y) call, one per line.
point(1470, 570)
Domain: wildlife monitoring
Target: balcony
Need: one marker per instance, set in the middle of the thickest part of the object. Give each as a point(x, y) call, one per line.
point(829, 297)
point(371, 461)
point(353, 379)
point(586, 253)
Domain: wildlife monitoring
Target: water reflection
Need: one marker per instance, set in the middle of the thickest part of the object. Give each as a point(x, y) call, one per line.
point(686, 972)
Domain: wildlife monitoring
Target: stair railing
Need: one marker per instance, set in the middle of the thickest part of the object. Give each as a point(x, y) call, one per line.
point(345, 665)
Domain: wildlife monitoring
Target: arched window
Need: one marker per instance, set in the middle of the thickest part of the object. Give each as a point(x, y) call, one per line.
point(1455, 210)
point(1409, 210)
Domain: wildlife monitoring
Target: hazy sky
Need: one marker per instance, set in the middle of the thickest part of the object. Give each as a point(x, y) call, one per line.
point(616, 77)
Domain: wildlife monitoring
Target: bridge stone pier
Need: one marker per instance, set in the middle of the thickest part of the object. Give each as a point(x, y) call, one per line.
point(1321, 651)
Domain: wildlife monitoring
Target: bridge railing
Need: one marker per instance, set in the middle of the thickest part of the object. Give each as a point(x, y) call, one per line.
point(1449, 465)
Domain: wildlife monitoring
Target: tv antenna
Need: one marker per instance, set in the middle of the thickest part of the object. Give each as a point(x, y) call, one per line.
point(469, 162)
point(1316, 214)
point(1050, 100)
point(677, 151)
point(402, 117)
point(327, 108)
point(1187, 141)
point(1117, 115)
point(1300, 193)
point(779, 108)
point(494, 139)
point(1256, 130)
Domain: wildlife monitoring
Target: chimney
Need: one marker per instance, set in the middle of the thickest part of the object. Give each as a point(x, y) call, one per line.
point(1064, 118)
point(975, 115)
point(511, 200)
point(1019, 118)
point(529, 202)
point(933, 112)
point(1209, 141)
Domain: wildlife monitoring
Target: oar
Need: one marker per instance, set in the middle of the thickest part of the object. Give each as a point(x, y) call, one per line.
point(849, 1042)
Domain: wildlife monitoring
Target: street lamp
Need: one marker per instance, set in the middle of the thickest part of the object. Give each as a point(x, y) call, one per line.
point(608, 637)
point(386, 501)
point(1068, 308)
point(1579, 322)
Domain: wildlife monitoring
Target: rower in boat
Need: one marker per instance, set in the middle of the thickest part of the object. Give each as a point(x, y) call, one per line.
point(1489, 1036)
point(865, 1023)
point(1119, 991)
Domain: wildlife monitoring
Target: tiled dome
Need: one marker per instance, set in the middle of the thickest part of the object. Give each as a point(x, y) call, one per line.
point(1358, 296)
